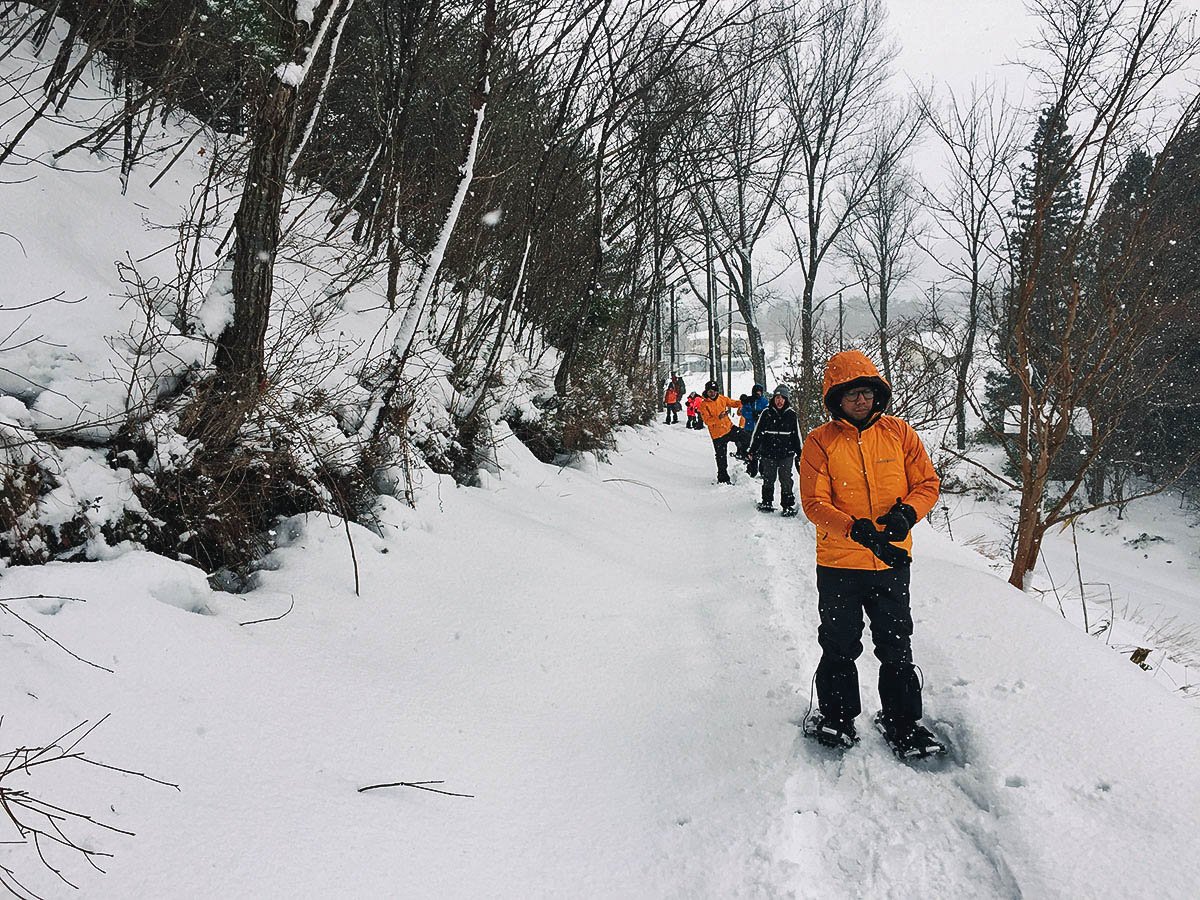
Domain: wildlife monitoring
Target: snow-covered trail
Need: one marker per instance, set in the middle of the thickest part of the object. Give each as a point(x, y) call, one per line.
point(613, 662)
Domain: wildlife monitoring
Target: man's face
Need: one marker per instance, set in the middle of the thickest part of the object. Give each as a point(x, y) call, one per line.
point(711, 393)
point(857, 403)
point(778, 400)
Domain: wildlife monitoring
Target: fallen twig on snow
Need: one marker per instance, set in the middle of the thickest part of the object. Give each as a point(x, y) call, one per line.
point(419, 785)
point(42, 634)
point(273, 618)
point(642, 484)
point(43, 824)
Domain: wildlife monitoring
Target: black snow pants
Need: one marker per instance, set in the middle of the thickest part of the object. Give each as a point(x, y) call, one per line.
point(843, 595)
point(781, 467)
point(721, 447)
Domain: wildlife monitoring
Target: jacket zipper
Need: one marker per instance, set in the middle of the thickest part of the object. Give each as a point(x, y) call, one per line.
point(867, 481)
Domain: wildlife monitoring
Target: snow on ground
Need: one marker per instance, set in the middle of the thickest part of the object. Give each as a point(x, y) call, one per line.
point(612, 660)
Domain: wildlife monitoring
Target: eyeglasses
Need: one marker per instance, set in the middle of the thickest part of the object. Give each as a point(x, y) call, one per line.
point(859, 394)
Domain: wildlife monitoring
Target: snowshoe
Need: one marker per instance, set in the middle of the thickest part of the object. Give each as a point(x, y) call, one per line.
point(829, 733)
point(910, 741)
point(788, 512)
point(765, 507)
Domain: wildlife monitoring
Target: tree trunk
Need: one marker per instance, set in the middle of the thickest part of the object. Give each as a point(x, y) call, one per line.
point(576, 333)
point(810, 395)
point(1030, 528)
point(885, 357)
point(965, 359)
point(240, 357)
point(750, 316)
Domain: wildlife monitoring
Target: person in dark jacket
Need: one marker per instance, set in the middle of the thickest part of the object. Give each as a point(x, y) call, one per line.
point(774, 446)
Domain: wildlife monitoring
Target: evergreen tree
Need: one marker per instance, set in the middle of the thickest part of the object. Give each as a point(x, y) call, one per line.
point(1121, 224)
point(1043, 251)
point(1167, 433)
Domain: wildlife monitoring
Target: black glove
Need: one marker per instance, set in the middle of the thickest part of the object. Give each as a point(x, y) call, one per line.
point(898, 521)
point(892, 556)
point(864, 532)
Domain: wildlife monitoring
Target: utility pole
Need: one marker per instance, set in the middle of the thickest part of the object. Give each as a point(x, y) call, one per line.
point(841, 324)
point(658, 346)
point(729, 345)
point(674, 329)
point(709, 304)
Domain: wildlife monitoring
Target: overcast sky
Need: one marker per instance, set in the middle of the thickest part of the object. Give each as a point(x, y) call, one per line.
point(956, 41)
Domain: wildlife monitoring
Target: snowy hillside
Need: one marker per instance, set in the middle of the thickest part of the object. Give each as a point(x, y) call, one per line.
point(612, 662)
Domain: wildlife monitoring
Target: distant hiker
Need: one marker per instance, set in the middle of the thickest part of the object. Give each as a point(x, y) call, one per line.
point(743, 409)
point(752, 404)
point(714, 410)
point(680, 387)
point(774, 447)
point(671, 401)
point(693, 411)
point(859, 469)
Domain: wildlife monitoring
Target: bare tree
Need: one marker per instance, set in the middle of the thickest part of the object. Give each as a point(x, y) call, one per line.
point(744, 151)
point(836, 89)
point(240, 355)
point(978, 135)
point(881, 241)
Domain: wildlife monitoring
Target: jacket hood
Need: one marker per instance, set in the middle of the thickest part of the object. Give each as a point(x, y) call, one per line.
point(852, 368)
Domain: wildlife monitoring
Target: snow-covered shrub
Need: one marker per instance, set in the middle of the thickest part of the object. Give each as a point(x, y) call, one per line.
point(216, 507)
point(598, 403)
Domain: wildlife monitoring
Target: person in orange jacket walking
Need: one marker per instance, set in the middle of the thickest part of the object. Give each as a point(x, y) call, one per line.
point(671, 402)
point(714, 412)
point(862, 469)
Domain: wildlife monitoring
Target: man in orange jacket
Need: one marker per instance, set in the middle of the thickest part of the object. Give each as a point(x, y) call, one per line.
point(714, 411)
point(861, 469)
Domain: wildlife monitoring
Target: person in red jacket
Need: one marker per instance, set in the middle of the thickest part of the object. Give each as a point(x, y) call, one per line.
point(693, 411)
point(859, 470)
point(714, 410)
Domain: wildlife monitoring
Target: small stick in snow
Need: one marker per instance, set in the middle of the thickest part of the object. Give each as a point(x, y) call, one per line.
point(273, 618)
point(419, 785)
point(42, 634)
point(643, 484)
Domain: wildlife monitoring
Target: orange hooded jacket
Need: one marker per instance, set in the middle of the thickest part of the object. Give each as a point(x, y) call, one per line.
point(847, 473)
point(713, 412)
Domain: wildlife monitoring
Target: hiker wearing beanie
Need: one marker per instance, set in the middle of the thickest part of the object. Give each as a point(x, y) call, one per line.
point(774, 446)
point(714, 411)
point(861, 470)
